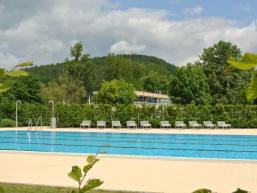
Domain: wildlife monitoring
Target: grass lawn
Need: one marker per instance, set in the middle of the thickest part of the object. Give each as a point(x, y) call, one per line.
point(18, 188)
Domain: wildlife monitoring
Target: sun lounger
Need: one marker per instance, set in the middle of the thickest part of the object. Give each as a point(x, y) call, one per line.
point(131, 124)
point(145, 124)
point(194, 124)
point(180, 124)
point(208, 124)
point(165, 124)
point(116, 124)
point(85, 124)
point(223, 124)
point(101, 124)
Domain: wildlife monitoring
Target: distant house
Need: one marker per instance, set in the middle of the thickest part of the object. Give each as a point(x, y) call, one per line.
point(151, 98)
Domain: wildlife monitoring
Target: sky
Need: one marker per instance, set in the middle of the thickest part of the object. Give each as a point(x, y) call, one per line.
point(176, 30)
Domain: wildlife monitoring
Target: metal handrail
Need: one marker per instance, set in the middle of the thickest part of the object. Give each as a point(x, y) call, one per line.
point(30, 124)
point(39, 119)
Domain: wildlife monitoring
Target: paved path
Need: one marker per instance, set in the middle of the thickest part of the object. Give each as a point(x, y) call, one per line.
point(139, 174)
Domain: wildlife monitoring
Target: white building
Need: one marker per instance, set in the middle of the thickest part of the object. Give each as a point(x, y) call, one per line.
point(151, 98)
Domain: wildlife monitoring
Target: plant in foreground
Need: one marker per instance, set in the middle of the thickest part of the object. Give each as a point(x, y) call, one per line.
point(79, 176)
point(203, 191)
point(209, 191)
point(247, 62)
point(5, 82)
point(240, 191)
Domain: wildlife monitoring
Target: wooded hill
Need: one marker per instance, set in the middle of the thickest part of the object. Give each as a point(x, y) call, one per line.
point(128, 67)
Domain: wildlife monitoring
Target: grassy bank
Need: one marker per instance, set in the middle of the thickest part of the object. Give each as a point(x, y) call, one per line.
point(19, 188)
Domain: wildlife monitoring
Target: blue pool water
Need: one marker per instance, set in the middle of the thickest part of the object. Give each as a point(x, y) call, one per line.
point(153, 145)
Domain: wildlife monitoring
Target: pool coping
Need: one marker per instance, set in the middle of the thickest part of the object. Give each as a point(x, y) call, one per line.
point(136, 157)
point(203, 131)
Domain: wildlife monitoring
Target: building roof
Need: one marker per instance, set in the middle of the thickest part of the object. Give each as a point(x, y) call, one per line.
point(149, 94)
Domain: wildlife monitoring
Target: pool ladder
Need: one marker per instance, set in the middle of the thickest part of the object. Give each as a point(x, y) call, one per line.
point(30, 124)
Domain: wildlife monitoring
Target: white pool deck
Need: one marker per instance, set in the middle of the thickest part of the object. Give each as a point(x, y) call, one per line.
point(135, 173)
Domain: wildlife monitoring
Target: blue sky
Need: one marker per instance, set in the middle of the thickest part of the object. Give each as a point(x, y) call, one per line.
point(175, 30)
point(243, 11)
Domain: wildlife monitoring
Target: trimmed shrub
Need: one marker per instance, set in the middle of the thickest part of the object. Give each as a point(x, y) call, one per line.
point(240, 116)
point(7, 123)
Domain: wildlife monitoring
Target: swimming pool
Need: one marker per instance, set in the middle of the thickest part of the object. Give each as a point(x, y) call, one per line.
point(152, 145)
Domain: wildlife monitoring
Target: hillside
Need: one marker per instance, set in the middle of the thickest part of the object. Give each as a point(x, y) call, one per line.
point(137, 65)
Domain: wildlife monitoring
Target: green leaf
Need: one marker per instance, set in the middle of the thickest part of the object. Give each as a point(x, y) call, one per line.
point(17, 73)
point(75, 173)
point(91, 184)
point(25, 64)
point(2, 71)
point(87, 168)
point(252, 88)
point(203, 191)
point(247, 62)
point(91, 159)
point(5, 86)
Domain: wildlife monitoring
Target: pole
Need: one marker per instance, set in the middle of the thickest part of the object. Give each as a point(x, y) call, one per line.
point(16, 116)
point(52, 101)
point(53, 119)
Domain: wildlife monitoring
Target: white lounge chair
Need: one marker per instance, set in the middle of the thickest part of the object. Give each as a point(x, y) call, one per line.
point(165, 124)
point(85, 123)
point(131, 124)
point(180, 124)
point(101, 124)
point(223, 124)
point(145, 124)
point(194, 124)
point(116, 124)
point(208, 124)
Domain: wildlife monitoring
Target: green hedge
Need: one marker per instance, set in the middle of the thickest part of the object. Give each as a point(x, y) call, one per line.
point(240, 116)
point(7, 123)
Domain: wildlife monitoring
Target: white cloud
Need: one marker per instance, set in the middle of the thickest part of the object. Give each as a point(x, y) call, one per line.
point(124, 47)
point(46, 34)
point(8, 61)
point(194, 11)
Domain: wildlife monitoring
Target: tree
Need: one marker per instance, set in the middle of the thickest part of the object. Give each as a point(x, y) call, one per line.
point(7, 105)
point(116, 92)
point(247, 62)
point(5, 82)
point(76, 51)
point(65, 89)
point(190, 86)
point(155, 82)
point(27, 89)
point(224, 88)
point(83, 69)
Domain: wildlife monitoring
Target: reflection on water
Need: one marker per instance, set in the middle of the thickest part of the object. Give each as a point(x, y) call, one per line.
point(28, 137)
point(53, 137)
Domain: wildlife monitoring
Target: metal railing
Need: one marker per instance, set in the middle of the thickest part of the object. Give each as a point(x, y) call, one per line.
point(39, 120)
point(30, 125)
point(38, 125)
